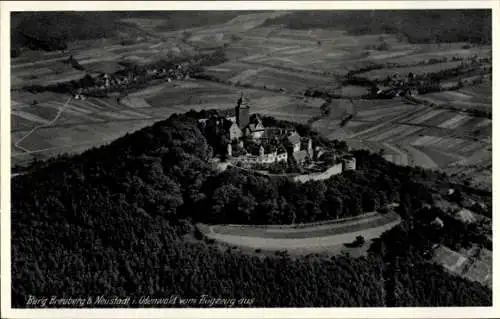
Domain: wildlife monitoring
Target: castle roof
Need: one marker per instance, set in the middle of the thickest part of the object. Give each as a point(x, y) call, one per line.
point(255, 118)
point(227, 112)
point(294, 138)
point(227, 123)
point(255, 127)
point(300, 156)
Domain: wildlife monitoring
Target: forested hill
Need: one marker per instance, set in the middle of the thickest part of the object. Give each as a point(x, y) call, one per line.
point(112, 221)
point(418, 26)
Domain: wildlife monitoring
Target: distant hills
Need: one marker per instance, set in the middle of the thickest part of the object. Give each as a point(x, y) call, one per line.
point(53, 30)
point(418, 26)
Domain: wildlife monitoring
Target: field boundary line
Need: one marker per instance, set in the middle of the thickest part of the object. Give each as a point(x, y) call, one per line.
point(33, 130)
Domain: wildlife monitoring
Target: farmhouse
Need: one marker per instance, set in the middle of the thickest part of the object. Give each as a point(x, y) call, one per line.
point(465, 216)
point(396, 86)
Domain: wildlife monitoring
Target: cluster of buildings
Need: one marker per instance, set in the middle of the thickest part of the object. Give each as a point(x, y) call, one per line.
point(251, 144)
point(396, 85)
point(120, 80)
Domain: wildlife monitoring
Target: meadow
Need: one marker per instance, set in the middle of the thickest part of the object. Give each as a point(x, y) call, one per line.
point(97, 121)
point(381, 74)
point(477, 97)
point(462, 264)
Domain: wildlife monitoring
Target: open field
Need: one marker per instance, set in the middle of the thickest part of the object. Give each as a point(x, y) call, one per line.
point(50, 128)
point(267, 76)
point(306, 237)
point(381, 74)
point(411, 134)
point(463, 264)
point(97, 121)
point(477, 97)
point(477, 168)
point(334, 51)
point(444, 51)
point(245, 39)
point(48, 68)
point(289, 81)
point(408, 134)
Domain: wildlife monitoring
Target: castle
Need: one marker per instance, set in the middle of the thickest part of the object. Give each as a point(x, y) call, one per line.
point(251, 144)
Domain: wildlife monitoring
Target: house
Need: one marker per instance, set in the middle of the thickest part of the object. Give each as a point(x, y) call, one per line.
point(255, 127)
point(234, 130)
point(268, 158)
point(282, 155)
point(465, 216)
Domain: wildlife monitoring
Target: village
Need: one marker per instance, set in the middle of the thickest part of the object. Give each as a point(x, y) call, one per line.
point(248, 144)
point(130, 77)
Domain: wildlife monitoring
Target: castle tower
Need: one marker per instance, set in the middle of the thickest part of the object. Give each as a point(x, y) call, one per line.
point(242, 112)
point(349, 164)
point(310, 148)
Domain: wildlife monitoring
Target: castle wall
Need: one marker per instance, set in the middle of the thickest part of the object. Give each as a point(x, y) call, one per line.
point(350, 164)
point(332, 171)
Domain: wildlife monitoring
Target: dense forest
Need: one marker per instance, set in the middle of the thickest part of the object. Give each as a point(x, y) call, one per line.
point(113, 221)
point(417, 26)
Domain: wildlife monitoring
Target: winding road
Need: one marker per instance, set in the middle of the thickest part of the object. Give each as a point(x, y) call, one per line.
point(312, 238)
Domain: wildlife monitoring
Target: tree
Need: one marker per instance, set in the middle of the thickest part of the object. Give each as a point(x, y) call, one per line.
point(359, 241)
point(326, 108)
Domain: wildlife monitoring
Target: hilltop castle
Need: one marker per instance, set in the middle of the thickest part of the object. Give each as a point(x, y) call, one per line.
point(250, 144)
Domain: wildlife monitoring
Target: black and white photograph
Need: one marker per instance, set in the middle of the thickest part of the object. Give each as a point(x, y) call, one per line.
point(249, 158)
